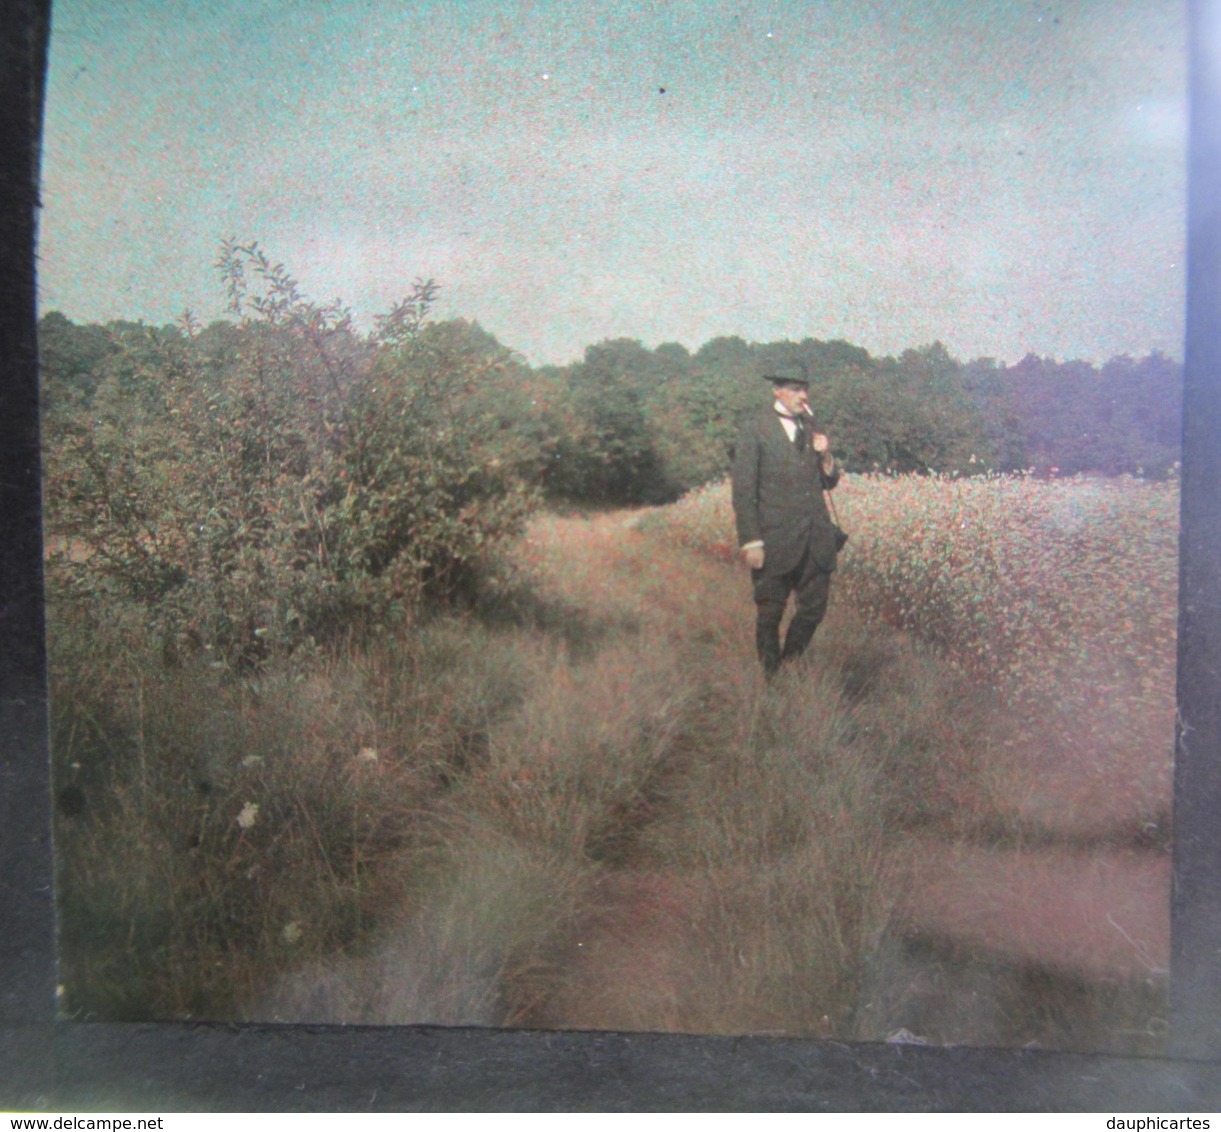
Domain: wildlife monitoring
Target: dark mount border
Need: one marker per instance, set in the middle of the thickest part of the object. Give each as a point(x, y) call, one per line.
point(69, 1066)
point(1196, 908)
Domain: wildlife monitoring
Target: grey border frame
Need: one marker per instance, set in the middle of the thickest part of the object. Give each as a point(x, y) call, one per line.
point(179, 1067)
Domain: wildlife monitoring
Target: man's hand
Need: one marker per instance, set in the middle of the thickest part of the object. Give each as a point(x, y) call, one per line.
point(753, 556)
point(822, 446)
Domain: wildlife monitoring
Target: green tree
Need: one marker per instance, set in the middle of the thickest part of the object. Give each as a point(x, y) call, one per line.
point(70, 359)
point(614, 458)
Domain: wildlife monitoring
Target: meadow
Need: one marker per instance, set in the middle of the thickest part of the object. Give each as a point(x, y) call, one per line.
point(577, 803)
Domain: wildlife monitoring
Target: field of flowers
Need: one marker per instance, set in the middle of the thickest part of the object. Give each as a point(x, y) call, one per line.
point(1021, 582)
point(1059, 596)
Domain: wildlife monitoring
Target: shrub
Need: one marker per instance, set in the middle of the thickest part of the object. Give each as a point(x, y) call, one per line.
point(268, 486)
point(440, 463)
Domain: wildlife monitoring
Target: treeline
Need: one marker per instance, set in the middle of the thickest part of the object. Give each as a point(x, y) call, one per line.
point(273, 479)
point(665, 420)
point(632, 425)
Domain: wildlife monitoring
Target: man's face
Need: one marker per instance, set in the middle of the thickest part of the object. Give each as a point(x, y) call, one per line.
point(795, 398)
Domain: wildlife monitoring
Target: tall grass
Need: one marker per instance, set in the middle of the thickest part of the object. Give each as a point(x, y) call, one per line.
point(211, 831)
point(580, 807)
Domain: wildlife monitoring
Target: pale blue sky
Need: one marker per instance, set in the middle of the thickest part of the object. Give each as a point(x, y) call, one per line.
point(1004, 177)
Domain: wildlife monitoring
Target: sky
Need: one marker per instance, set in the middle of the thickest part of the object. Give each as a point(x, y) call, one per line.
point(1002, 177)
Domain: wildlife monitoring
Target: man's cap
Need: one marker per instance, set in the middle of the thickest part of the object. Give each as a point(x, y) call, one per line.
point(787, 379)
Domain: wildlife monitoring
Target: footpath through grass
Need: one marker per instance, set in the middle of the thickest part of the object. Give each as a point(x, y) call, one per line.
point(581, 806)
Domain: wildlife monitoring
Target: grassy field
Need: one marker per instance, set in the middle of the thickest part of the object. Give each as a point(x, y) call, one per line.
point(581, 806)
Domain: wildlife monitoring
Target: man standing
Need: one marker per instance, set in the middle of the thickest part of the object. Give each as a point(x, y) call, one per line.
point(781, 467)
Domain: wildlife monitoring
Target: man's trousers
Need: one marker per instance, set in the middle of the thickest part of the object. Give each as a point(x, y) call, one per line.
point(811, 586)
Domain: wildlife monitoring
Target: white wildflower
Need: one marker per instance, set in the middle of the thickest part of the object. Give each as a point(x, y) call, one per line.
point(291, 933)
point(249, 815)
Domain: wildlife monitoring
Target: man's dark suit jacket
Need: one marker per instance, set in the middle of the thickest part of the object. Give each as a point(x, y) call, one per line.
point(778, 497)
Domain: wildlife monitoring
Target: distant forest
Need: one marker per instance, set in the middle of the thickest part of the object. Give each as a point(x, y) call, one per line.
point(630, 425)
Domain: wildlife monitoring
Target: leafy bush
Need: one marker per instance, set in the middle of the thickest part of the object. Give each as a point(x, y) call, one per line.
point(441, 459)
point(260, 487)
